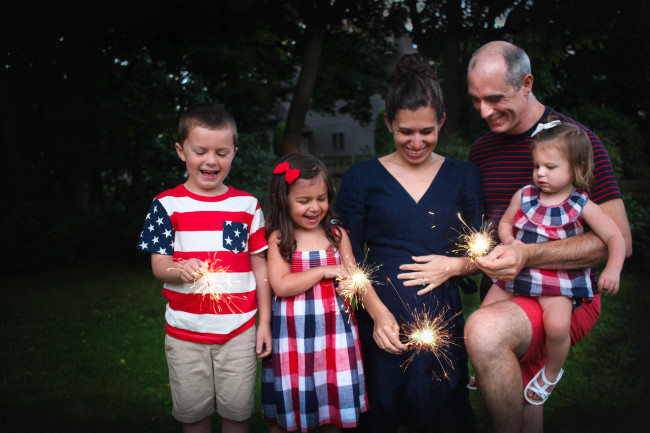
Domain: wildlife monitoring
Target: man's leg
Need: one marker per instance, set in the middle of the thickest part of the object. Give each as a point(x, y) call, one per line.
point(496, 337)
point(533, 421)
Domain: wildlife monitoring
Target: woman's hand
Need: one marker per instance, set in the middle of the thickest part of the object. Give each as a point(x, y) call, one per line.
point(428, 271)
point(386, 334)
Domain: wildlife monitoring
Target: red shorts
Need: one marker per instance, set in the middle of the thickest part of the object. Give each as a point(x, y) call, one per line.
point(583, 320)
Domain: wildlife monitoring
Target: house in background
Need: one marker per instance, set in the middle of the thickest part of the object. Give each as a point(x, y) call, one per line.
point(333, 137)
point(340, 135)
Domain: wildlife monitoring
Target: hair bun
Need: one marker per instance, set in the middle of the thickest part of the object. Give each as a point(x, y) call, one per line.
point(412, 64)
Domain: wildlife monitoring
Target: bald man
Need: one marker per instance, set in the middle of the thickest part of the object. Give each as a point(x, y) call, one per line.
point(505, 340)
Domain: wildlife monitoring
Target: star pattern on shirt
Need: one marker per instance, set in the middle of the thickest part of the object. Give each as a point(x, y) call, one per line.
point(234, 236)
point(157, 236)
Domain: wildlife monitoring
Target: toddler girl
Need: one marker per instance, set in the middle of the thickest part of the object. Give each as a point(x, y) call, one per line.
point(555, 207)
point(315, 378)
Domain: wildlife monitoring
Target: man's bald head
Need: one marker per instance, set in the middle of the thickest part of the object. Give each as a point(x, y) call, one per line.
point(496, 54)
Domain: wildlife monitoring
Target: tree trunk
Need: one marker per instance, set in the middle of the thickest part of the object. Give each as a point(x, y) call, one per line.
point(453, 86)
point(315, 34)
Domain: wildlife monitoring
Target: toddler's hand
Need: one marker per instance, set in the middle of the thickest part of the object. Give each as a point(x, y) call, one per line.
point(609, 281)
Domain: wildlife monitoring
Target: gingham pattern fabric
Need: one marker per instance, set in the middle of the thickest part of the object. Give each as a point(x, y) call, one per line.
point(315, 374)
point(536, 223)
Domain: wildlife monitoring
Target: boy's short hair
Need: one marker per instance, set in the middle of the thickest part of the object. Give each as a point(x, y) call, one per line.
point(205, 115)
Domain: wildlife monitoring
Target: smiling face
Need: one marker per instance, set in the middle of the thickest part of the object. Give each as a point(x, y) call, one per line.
point(208, 154)
point(415, 133)
point(501, 105)
point(308, 203)
point(552, 172)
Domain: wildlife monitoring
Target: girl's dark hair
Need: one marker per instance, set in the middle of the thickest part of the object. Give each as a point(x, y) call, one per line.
point(412, 84)
point(573, 142)
point(277, 212)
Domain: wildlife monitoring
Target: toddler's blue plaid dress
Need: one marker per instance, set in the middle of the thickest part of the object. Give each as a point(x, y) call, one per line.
point(534, 223)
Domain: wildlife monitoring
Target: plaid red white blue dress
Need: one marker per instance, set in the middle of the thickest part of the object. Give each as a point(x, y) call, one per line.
point(535, 223)
point(315, 374)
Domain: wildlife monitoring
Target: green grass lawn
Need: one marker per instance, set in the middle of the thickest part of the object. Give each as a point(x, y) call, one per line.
point(83, 349)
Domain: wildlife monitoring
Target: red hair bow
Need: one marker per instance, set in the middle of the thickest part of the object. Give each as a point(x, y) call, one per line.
point(291, 173)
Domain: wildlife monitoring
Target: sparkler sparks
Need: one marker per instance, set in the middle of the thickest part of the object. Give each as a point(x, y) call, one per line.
point(422, 332)
point(430, 333)
point(213, 281)
point(476, 243)
point(354, 285)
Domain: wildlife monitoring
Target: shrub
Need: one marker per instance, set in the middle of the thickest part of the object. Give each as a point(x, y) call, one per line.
point(620, 135)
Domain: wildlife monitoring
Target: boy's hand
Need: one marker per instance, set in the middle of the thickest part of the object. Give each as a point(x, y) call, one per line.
point(264, 345)
point(609, 281)
point(190, 270)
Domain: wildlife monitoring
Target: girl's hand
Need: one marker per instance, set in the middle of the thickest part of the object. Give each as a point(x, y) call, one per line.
point(189, 269)
point(334, 271)
point(427, 271)
point(386, 334)
point(609, 281)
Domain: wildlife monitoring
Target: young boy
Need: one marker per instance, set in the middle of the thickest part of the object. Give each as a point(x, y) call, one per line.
point(204, 225)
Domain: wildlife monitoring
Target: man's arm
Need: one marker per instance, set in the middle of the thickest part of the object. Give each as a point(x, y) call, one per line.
point(577, 252)
point(586, 250)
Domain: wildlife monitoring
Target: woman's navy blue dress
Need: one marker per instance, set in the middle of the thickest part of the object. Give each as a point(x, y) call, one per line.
point(429, 392)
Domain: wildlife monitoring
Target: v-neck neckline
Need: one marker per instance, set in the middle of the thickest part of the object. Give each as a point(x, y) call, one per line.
point(428, 190)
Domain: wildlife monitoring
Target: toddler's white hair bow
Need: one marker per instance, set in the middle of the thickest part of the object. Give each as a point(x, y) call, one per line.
point(543, 126)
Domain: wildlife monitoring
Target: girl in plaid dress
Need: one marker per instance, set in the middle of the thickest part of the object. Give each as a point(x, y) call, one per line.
point(314, 379)
point(555, 207)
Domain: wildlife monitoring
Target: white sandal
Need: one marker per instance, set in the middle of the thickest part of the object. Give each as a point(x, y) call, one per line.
point(541, 391)
point(472, 383)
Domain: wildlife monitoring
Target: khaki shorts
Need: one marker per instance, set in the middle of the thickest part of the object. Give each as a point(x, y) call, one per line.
point(208, 377)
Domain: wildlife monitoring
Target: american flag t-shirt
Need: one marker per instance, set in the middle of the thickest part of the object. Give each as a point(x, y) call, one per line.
point(158, 233)
point(234, 236)
point(222, 231)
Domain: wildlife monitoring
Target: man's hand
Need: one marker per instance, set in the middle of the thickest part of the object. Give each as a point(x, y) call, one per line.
point(504, 262)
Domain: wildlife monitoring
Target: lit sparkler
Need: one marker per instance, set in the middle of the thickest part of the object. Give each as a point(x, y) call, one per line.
point(212, 281)
point(423, 332)
point(476, 243)
point(355, 284)
point(427, 333)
